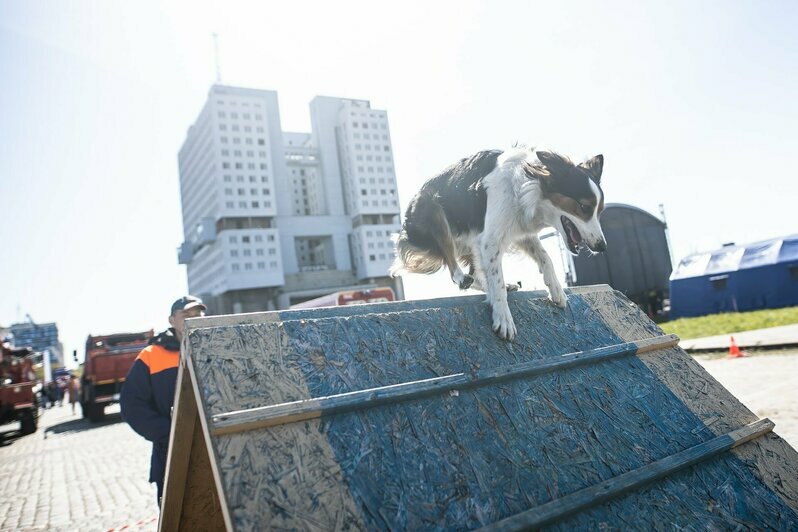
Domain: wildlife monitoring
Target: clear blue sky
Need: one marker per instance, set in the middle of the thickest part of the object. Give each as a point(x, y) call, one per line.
point(693, 104)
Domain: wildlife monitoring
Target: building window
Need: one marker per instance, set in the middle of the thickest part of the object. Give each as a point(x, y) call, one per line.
point(247, 253)
point(233, 239)
point(247, 265)
point(259, 252)
point(261, 142)
point(245, 239)
point(234, 253)
point(235, 267)
point(258, 238)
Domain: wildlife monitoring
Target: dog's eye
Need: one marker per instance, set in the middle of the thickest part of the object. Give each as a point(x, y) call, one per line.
point(587, 209)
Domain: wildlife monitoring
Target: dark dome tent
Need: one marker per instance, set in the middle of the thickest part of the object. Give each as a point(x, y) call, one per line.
point(637, 261)
point(737, 278)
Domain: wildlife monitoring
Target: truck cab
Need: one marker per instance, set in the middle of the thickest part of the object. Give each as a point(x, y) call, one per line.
point(18, 386)
point(108, 359)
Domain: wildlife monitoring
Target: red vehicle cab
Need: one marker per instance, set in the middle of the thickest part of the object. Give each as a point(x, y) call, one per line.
point(18, 387)
point(380, 294)
point(108, 359)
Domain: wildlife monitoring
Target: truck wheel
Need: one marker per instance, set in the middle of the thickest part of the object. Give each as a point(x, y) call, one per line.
point(27, 422)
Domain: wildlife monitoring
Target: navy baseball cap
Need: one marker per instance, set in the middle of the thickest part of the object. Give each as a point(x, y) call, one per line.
point(187, 302)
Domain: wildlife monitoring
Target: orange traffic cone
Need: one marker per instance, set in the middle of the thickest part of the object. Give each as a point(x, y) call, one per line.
point(734, 351)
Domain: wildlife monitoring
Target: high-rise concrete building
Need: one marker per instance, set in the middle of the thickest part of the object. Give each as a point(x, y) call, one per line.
point(273, 218)
point(41, 337)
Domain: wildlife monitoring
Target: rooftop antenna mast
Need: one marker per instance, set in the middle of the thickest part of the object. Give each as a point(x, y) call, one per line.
point(216, 56)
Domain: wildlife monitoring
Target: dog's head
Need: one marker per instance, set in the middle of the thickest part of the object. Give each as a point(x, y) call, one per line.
point(571, 198)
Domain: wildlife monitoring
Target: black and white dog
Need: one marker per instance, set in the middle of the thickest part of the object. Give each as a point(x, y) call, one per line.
point(476, 210)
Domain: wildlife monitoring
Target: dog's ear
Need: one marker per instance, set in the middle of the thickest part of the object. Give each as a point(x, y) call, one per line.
point(594, 167)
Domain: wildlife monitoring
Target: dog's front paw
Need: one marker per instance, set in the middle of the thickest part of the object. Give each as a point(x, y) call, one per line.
point(513, 287)
point(558, 297)
point(503, 324)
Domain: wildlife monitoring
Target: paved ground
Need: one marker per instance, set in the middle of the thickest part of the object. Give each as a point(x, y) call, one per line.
point(786, 335)
point(76, 475)
point(766, 383)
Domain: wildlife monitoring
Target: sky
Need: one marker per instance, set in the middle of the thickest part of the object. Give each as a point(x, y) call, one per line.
point(692, 103)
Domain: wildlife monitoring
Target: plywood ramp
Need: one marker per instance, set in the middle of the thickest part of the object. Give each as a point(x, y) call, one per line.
point(414, 415)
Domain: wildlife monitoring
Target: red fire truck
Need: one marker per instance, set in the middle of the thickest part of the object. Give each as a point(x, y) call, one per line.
point(108, 359)
point(380, 294)
point(18, 388)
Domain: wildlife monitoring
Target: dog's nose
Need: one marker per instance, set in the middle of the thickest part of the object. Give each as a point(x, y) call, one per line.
point(599, 246)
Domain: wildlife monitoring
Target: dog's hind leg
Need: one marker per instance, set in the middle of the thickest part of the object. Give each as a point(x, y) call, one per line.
point(442, 235)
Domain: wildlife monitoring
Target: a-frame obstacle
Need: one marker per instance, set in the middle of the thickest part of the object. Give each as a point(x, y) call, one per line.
point(414, 415)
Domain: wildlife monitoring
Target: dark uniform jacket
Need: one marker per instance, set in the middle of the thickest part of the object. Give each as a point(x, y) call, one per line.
point(148, 394)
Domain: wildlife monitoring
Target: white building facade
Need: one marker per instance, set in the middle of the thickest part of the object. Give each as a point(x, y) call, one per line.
point(273, 218)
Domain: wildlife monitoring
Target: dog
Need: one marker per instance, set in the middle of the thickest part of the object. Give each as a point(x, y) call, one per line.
point(484, 205)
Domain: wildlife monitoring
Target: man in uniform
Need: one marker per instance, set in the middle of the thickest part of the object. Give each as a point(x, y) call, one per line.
point(149, 390)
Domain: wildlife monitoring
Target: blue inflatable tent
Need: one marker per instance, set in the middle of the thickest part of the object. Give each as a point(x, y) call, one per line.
point(737, 278)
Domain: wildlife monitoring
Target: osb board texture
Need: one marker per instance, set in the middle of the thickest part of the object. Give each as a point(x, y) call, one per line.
point(770, 458)
point(463, 460)
point(283, 478)
point(201, 508)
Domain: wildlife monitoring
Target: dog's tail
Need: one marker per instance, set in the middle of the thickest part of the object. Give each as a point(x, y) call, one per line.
point(412, 259)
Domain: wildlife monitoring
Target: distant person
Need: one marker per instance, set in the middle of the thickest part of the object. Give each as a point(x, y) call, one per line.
point(52, 394)
point(149, 390)
point(73, 389)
